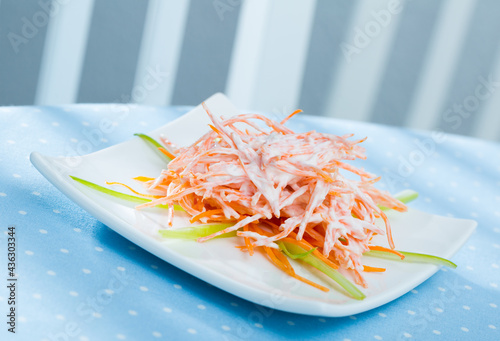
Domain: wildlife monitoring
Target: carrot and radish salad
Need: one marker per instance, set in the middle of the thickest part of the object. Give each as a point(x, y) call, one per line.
point(290, 196)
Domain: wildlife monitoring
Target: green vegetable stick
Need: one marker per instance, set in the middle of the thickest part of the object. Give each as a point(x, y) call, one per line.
point(154, 144)
point(292, 256)
point(404, 196)
point(327, 270)
point(119, 195)
point(411, 257)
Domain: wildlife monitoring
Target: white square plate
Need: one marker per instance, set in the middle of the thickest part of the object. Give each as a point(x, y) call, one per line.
point(218, 262)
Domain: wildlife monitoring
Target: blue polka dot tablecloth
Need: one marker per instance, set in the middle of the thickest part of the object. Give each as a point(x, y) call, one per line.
point(79, 280)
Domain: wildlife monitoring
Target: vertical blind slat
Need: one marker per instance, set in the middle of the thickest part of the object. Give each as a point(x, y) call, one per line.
point(247, 51)
point(462, 107)
point(440, 63)
point(404, 65)
point(112, 51)
point(284, 55)
point(24, 28)
point(63, 53)
point(488, 124)
point(160, 52)
point(331, 22)
point(206, 51)
point(353, 92)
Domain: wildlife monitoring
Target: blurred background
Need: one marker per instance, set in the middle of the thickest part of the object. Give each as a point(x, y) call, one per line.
point(426, 64)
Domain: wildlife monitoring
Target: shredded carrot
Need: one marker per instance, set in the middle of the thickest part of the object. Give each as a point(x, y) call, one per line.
point(143, 178)
point(261, 231)
point(215, 129)
point(279, 185)
point(282, 262)
point(282, 258)
point(247, 242)
point(133, 190)
point(275, 260)
point(388, 230)
point(290, 116)
point(381, 248)
point(305, 245)
point(367, 268)
point(208, 213)
point(359, 279)
point(287, 264)
point(305, 280)
point(166, 152)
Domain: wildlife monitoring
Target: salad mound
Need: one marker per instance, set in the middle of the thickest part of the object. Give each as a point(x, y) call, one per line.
point(277, 185)
point(288, 195)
